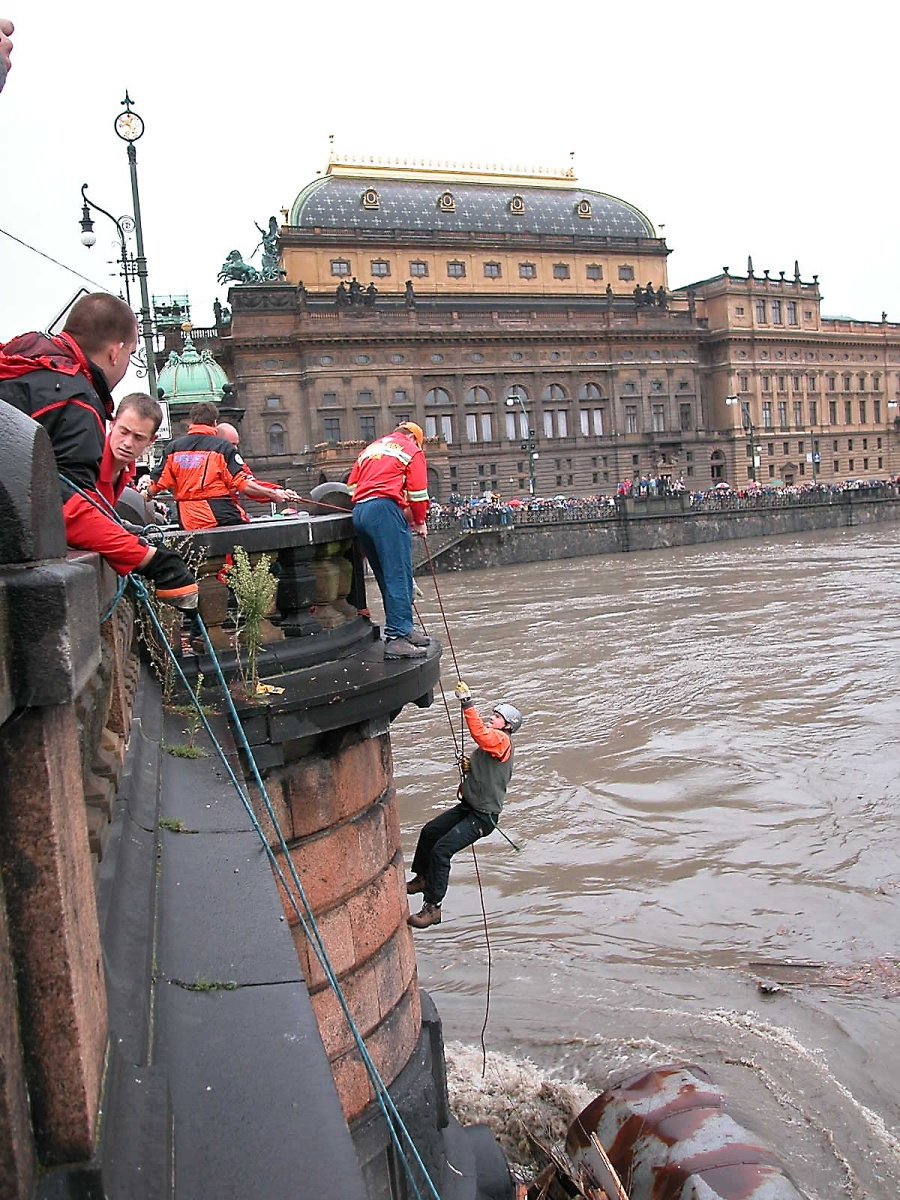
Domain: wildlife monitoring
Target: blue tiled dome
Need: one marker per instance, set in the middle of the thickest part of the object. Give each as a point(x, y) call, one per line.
point(341, 202)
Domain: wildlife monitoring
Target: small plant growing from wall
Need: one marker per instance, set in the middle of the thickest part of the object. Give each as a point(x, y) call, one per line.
point(190, 749)
point(254, 588)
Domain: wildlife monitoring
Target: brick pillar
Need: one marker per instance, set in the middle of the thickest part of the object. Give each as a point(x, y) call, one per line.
point(53, 927)
point(343, 833)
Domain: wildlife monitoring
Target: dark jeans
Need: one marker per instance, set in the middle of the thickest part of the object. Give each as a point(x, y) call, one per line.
point(386, 539)
point(439, 840)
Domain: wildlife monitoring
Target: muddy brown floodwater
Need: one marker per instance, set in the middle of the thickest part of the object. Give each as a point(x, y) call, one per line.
point(705, 792)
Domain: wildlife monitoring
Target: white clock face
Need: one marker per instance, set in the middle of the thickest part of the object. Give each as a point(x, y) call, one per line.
point(129, 126)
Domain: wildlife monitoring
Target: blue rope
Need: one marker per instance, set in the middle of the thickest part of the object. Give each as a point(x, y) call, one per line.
point(399, 1134)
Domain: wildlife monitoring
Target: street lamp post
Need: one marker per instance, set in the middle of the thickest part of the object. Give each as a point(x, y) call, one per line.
point(747, 424)
point(530, 445)
point(129, 126)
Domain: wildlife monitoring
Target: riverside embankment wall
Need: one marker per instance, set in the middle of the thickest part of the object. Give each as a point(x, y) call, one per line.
point(654, 525)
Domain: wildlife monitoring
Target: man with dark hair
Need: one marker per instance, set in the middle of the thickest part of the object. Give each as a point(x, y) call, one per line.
point(202, 471)
point(132, 432)
point(64, 383)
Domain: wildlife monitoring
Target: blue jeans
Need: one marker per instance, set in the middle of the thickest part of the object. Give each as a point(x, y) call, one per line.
point(387, 542)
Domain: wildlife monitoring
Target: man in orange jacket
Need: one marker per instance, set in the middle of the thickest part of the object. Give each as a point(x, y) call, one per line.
point(389, 479)
point(481, 796)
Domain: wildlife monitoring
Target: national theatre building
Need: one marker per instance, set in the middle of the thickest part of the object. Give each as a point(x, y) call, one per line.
point(528, 325)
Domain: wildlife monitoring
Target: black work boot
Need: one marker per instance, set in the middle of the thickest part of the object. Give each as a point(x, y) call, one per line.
point(430, 915)
point(415, 638)
point(401, 648)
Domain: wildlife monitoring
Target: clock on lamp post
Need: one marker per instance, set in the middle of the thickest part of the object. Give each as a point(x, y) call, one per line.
point(129, 126)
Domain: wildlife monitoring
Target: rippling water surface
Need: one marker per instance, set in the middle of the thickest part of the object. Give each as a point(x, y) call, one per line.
point(705, 790)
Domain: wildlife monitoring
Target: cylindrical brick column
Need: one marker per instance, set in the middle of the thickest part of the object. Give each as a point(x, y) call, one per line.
point(340, 820)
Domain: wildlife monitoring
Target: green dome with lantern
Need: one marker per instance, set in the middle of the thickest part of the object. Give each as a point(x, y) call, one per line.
point(192, 377)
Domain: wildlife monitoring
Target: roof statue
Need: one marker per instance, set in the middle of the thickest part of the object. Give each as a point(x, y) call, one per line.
point(235, 270)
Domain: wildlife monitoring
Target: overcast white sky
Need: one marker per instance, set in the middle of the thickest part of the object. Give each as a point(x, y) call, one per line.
point(766, 129)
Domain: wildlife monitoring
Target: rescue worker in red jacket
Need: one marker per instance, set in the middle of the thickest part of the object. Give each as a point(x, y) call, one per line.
point(64, 383)
point(203, 471)
point(481, 795)
point(277, 493)
point(389, 480)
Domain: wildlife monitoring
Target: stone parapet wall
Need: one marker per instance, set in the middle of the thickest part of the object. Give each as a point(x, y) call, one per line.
point(650, 529)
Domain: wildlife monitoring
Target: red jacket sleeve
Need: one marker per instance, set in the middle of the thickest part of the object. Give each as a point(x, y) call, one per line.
point(87, 528)
point(493, 741)
point(417, 487)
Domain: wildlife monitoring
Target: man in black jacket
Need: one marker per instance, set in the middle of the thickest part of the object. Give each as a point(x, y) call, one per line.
point(64, 383)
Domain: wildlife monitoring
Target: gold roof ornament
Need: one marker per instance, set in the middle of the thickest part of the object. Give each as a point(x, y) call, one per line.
point(372, 167)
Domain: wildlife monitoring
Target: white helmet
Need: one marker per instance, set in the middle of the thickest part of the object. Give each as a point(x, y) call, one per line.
point(510, 715)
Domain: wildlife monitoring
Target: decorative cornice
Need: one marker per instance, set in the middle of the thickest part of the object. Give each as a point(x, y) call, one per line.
point(371, 167)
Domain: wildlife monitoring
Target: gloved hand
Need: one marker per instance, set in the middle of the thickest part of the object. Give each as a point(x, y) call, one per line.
point(175, 583)
point(465, 763)
point(462, 691)
point(143, 483)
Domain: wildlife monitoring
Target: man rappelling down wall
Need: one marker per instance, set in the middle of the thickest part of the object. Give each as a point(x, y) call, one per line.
point(481, 795)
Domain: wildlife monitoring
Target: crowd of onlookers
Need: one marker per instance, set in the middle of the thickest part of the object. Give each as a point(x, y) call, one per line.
point(493, 511)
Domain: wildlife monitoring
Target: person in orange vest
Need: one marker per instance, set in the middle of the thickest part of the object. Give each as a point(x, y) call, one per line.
point(387, 481)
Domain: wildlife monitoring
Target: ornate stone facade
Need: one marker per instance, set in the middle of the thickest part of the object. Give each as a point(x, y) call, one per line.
point(491, 286)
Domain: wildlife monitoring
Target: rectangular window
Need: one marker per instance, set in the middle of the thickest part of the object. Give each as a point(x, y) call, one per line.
point(848, 413)
point(876, 411)
point(767, 414)
point(776, 312)
point(561, 271)
point(832, 382)
point(865, 464)
point(785, 448)
point(836, 466)
point(626, 273)
point(745, 383)
point(511, 434)
point(447, 429)
point(367, 429)
point(431, 427)
point(562, 423)
point(418, 269)
point(584, 418)
point(846, 383)
point(273, 402)
point(598, 422)
point(798, 413)
point(471, 427)
point(381, 268)
point(766, 383)
point(365, 397)
point(486, 435)
point(782, 414)
point(332, 427)
point(456, 270)
point(800, 446)
point(761, 311)
point(850, 465)
point(813, 412)
point(492, 270)
point(739, 310)
point(593, 272)
point(399, 396)
point(797, 384)
point(527, 271)
point(782, 383)
point(658, 414)
point(862, 412)
point(548, 424)
point(812, 383)
point(832, 412)
point(631, 418)
point(329, 398)
point(685, 416)
point(340, 266)
point(792, 312)
point(862, 383)
point(771, 470)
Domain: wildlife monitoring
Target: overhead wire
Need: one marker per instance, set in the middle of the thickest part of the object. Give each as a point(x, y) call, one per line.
point(102, 286)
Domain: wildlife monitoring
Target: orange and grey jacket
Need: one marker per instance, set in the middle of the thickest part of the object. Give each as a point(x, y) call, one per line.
point(393, 468)
point(490, 766)
point(202, 471)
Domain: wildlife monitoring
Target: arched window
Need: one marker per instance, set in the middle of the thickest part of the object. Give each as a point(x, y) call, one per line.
point(554, 392)
point(590, 391)
point(438, 396)
point(276, 439)
point(717, 465)
point(477, 395)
